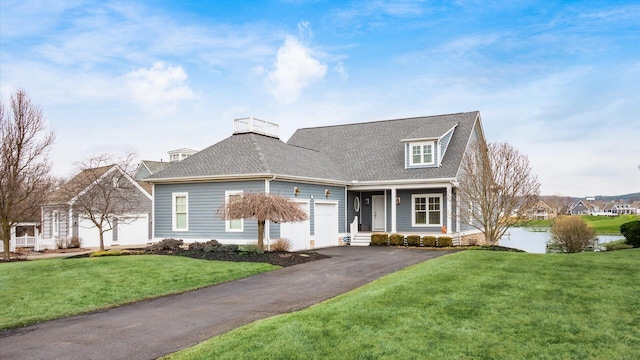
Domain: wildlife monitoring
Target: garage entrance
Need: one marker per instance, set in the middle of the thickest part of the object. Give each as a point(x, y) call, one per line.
point(326, 224)
point(297, 232)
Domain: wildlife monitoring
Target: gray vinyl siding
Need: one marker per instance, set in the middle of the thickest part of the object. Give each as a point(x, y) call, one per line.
point(444, 142)
point(63, 220)
point(143, 173)
point(204, 199)
point(312, 193)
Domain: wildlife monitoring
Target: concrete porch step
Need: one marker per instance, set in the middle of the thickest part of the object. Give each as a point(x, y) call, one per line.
point(361, 240)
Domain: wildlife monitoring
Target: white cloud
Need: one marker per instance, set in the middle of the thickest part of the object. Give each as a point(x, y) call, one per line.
point(159, 88)
point(295, 69)
point(342, 71)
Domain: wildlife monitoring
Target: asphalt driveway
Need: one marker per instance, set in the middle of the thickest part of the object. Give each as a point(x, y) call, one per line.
point(153, 328)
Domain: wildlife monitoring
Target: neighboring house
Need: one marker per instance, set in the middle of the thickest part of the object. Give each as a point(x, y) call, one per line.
point(148, 167)
point(542, 211)
point(636, 206)
point(61, 220)
point(392, 176)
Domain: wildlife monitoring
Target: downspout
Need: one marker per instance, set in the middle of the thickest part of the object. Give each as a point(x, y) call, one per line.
point(267, 227)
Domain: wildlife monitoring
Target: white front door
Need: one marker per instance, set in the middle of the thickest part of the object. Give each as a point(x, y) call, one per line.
point(378, 219)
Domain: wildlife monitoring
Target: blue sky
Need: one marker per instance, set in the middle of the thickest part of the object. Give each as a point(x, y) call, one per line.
point(558, 80)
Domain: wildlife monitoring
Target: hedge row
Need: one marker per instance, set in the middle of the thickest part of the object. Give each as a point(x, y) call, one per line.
point(384, 239)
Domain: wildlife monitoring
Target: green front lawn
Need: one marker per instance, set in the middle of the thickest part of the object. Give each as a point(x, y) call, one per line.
point(33, 291)
point(601, 224)
point(470, 305)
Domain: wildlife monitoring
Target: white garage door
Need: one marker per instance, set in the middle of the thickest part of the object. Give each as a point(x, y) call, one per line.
point(133, 230)
point(297, 232)
point(326, 224)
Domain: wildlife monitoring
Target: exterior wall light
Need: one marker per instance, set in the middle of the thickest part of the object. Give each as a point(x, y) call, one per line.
point(398, 200)
point(327, 192)
point(296, 191)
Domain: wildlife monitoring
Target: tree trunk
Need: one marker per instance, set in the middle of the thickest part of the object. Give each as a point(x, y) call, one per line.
point(101, 239)
point(6, 239)
point(261, 234)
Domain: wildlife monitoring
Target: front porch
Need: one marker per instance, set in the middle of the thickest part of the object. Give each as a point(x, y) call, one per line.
point(23, 235)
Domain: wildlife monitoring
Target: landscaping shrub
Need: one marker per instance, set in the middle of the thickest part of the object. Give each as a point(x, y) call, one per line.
point(570, 234)
point(617, 245)
point(429, 241)
point(75, 243)
point(228, 248)
point(631, 232)
point(252, 248)
point(396, 239)
point(166, 245)
point(413, 240)
point(196, 246)
point(61, 242)
point(380, 239)
point(445, 241)
point(282, 245)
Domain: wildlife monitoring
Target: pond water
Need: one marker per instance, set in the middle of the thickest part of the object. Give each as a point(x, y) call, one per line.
point(534, 240)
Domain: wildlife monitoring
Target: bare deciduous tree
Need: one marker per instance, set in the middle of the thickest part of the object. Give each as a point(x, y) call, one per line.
point(24, 165)
point(104, 191)
point(262, 207)
point(496, 188)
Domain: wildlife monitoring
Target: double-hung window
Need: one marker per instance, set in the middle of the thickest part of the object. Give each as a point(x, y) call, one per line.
point(233, 225)
point(422, 153)
point(180, 206)
point(426, 209)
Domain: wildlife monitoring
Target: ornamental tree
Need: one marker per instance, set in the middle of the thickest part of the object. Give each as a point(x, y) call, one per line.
point(262, 207)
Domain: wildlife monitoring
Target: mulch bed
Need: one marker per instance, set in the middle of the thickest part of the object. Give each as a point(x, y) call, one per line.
point(274, 258)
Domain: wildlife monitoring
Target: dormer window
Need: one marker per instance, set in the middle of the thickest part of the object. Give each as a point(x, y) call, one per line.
point(422, 153)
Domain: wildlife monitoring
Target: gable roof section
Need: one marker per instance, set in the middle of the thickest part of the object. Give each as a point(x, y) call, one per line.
point(73, 187)
point(374, 151)
point(155, 166)
point(252, 154)
point(69, 191)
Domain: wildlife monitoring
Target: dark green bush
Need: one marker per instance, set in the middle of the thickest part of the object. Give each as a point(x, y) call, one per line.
point(429, 241)
point(445, 241)
point(413, 240)
point(631, 232)
point(396, 240)
point(229, 248)
point(380, 239)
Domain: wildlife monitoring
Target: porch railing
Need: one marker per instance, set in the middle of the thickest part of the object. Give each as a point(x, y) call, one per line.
point(25, 241)
point(353, 228)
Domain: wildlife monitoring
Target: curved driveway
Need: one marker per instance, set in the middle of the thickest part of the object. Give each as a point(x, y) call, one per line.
point(153, 328)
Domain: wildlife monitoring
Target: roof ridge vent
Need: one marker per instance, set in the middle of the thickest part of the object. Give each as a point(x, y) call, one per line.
point(257, 126)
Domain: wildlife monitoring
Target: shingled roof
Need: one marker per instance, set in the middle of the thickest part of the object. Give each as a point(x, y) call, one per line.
point(371, 151)
point(374, 151)
point(252, 154)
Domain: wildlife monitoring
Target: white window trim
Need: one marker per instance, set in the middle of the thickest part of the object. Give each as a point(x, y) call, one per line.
point(227, 223)
point(422, 144)
point(55, 221)
point(413, 209)
point(173, 210)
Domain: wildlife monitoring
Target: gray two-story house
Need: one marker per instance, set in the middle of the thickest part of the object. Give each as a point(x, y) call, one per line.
point(395, 176)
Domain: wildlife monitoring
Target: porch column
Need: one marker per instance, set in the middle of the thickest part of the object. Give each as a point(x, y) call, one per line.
point(449, 212)
point(393, 210)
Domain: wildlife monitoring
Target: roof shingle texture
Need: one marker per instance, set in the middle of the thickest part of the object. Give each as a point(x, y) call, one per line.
point(371, 151)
